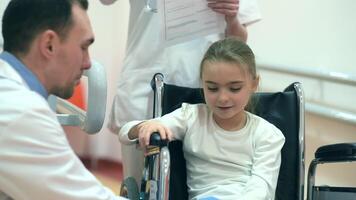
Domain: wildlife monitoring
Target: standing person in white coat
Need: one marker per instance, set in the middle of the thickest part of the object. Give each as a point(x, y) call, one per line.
point(179, 64)
point(45, 52)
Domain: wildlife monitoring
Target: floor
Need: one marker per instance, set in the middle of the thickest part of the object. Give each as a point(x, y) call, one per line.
point(108, 172)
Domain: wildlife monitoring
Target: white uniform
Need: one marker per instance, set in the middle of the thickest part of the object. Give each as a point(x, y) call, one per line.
point(145, 57)
point(36, 160)
point(232, 165)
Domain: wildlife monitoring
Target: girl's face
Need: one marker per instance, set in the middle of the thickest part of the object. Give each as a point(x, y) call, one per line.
point(227, 89)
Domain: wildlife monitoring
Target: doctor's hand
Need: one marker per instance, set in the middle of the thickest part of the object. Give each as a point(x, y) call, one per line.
point(146, 128)
point(229, 8)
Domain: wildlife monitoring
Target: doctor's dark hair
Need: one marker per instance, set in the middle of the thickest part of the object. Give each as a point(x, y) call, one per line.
point(23, 20)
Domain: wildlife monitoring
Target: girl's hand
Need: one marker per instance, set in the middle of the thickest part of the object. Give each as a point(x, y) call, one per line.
point(146, 128)
point(229, 8)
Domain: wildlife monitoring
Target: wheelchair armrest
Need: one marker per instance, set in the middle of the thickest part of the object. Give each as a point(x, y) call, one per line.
point(155, 140)
point(336, 152)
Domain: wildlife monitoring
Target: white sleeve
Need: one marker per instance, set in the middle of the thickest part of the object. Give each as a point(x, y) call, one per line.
point(249, 12)
point(124, 133)
point(37, 161)
point(177, 120)
point(266, 164)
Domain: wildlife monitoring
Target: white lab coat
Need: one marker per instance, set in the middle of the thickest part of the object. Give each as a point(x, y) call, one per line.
point(36, 160)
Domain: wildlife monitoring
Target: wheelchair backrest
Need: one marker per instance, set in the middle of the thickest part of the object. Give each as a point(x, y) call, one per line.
point(283, 109)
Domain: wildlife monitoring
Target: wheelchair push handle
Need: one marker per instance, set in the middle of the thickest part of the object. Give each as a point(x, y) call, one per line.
point(155, 140)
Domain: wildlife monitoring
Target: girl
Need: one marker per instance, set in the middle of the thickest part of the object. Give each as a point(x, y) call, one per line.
point(230, 153)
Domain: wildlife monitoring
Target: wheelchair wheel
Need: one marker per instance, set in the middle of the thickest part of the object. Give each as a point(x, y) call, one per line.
point(129, 189)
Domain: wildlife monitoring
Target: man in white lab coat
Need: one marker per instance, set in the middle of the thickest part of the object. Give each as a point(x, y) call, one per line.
point(45, 52)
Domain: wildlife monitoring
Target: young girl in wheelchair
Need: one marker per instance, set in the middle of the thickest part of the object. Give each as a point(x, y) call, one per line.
point(230, 152)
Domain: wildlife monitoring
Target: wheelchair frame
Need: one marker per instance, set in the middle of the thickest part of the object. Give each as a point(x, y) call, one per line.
point(157, 84)
point(334, 153)
point(156, 174)
point(157, 164)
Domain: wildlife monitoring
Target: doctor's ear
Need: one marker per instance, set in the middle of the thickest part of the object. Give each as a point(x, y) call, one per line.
point(107, 2)
point(47, 43)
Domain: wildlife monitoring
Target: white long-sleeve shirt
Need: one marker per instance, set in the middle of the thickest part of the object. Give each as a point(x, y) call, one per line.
point(236, 165)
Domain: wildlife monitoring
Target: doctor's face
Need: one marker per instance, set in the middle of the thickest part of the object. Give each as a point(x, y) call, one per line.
point(72, 56)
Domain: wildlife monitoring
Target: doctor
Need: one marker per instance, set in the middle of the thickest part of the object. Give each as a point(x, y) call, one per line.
point(45, 52)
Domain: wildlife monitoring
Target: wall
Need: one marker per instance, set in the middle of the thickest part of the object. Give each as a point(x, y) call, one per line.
point(3, 5)
point(318, 34)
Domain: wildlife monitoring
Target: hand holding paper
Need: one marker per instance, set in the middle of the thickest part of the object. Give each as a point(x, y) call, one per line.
point(184, 20)
point(229, 8)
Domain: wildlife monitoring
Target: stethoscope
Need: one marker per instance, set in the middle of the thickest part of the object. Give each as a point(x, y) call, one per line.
point(151, 6)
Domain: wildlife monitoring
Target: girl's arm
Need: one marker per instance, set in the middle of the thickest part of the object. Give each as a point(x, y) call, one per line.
point(266, 164)
point(171, 126)
point(143, 131)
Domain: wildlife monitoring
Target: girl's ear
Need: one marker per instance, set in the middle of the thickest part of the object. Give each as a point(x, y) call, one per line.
point(255, 83)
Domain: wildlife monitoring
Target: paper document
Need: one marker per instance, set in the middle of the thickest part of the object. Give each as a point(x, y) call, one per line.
point(184, 20)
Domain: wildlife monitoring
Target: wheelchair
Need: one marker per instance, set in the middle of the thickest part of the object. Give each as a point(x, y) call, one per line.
point(333, 153)
point(164, 176)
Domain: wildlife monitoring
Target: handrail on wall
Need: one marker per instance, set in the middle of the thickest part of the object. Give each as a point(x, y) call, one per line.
point(320, 74)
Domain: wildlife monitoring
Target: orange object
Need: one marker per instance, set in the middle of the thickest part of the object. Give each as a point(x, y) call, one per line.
point(79, 97)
